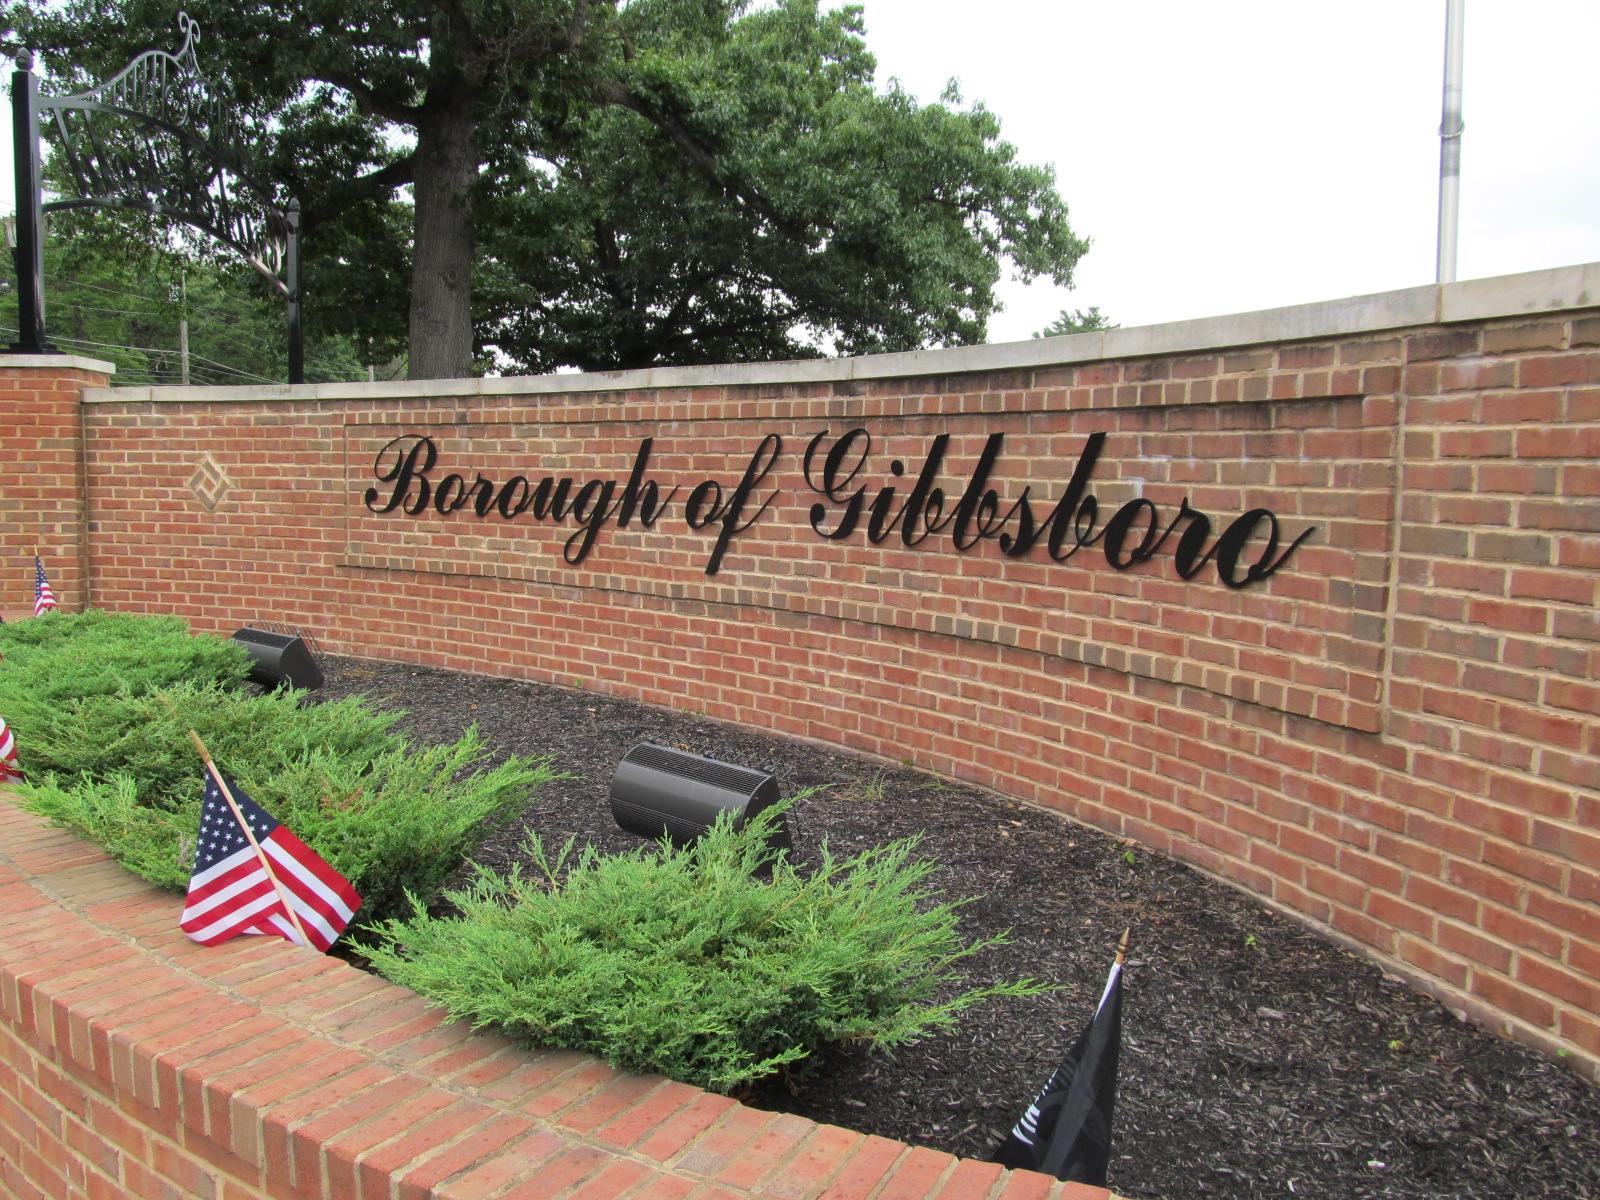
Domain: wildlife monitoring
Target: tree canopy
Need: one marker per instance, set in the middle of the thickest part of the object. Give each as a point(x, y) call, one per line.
point(1076, 320)
point(603, 183)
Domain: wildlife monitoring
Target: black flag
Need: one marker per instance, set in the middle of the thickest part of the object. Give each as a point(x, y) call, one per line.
point(1066, 1132)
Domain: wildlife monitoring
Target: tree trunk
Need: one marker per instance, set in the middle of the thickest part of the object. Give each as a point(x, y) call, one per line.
point(442, 253)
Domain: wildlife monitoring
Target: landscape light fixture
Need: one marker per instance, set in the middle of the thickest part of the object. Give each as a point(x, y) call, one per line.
point(280, 658)
point(658, 790)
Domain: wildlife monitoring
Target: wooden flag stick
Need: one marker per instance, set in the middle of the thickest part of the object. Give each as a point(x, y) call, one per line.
point(1122, 947)
point(283, 897)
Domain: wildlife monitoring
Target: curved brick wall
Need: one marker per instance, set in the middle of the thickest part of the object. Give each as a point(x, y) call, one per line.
point(136, 1063)
point(1394, 735)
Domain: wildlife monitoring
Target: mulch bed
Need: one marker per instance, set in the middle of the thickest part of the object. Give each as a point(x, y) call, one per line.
point(1257, 1059)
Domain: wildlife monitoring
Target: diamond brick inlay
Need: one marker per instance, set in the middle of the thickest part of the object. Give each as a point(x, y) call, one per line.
point(210, 483)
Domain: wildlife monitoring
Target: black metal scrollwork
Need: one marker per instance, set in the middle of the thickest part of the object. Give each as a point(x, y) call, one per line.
point(153, 139)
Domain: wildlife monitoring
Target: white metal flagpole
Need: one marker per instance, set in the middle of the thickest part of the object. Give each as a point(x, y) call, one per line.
point(1450, 140)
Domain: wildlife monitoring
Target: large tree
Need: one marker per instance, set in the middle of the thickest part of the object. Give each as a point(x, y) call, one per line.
point(630, 182)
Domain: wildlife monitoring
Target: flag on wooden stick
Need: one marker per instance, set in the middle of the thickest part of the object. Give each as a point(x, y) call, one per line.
point(1066, 1132)
point(252, 875)
point(44, 600)
point(8, 754)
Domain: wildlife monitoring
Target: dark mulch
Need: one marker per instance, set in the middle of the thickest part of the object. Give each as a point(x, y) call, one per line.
point(1257, 1059)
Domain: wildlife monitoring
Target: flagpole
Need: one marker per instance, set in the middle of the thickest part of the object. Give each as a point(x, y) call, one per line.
point(288, 906)
point(1450, 127)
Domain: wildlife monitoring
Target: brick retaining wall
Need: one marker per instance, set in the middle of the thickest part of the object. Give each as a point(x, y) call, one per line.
point(135, 1063)
point(1395, 736)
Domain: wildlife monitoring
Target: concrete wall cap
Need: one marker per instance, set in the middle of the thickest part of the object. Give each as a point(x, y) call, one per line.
point(72, 362)
point(1554, 290)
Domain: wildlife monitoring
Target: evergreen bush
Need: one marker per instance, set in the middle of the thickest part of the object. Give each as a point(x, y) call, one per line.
point(69, 656)
point(108, 754)
point(680, 961)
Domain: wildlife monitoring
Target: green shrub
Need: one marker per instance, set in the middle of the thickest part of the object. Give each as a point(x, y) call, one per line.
point(678, 961)
point(145, 736)
point(108, 754)
point(70, 656)
point(393, 824)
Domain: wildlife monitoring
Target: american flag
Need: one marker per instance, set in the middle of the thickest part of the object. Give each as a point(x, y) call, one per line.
point(230, 892)
point(8, 754)
point(43, 598)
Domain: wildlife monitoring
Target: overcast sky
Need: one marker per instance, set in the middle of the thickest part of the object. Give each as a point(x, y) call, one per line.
point(1238, 155)
point(1231, 156)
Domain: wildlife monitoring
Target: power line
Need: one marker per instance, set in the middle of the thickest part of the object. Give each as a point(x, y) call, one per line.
point(120, 312)
point(172, 351)
point(95, 287)
point(233, 370)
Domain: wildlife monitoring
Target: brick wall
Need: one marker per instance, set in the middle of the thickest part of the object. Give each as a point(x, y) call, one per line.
point(1394, 736)
point(42, 496)
point(135, 1063)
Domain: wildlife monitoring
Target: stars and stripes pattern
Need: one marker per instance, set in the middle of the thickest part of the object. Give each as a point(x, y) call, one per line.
point(8, 754)
point(44, 600)
point(230, 892)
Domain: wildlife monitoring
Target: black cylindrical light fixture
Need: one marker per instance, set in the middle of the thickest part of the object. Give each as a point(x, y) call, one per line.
point(658, 790)
point(279, 658)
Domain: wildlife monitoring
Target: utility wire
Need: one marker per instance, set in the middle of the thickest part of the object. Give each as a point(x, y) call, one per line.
point(232, 370)
point(121, 312)
point(95, 287)
point(164, 350)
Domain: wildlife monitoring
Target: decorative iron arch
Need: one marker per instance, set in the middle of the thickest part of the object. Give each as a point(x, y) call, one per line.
point(150, 139)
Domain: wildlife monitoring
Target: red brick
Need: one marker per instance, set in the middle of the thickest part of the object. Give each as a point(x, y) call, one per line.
point(711, 1150)
point(813, 1165)
point(487, 1140)
point(775, 1142)
point(564, 1171)
point(335, 1139)
point(1469, 944)
point(1222, 726)
point(619, 1094)
point(524, 1163)
point(970, 1178)
point(916, 1175)
point(860, 1174)
point(1515, 1000)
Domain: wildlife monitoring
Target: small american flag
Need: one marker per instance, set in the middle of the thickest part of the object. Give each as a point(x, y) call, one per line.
point(230, 892)
point(8, 754)
point(43, 598)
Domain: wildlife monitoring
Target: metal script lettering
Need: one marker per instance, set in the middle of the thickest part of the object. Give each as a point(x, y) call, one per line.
point(1132, 535)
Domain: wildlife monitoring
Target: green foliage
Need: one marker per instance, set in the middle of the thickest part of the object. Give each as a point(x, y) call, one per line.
point(117, 290)
point(679, 961)
point(255, 738)
point(102, 705)
point(67, 656)
point(867, 221)
point(1082, 320)
point(654, 181)
point(392, 822)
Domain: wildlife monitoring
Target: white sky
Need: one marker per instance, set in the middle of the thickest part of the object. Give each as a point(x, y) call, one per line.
point(1246, 154)
point(1235, 155)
